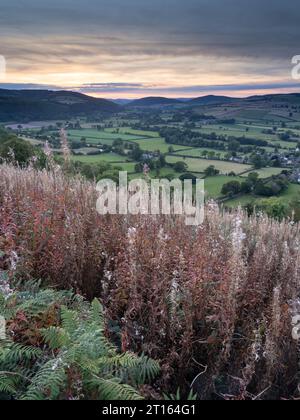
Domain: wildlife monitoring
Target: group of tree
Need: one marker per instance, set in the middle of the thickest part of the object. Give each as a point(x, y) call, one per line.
point(21, 152)
point(154, 164)
point(253, 184)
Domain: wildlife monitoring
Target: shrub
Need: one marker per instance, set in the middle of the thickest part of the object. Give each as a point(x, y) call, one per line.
point(214, 304)
point(231, 188)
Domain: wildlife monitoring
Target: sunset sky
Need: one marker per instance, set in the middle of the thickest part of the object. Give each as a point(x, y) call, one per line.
point(135, 48)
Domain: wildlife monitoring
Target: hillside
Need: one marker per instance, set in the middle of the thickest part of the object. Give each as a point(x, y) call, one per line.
point(26, 105)
point(212, 100)
point(154, 101)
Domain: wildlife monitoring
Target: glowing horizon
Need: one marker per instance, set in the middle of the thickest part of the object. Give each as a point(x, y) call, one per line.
point(131, 49)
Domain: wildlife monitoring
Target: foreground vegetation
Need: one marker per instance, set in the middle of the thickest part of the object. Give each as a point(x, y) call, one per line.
point(213, 306)
point(56, 349)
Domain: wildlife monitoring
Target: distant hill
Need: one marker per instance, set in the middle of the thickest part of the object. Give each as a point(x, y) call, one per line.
point(278, 98)
point(24, 106)
point(28, 105)
point(212, 100)
point(122, 101)
point(154, 101)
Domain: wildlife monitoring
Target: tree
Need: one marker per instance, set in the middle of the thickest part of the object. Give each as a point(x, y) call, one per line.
point(16, 150)
point(258, 161)
point(180, 166)
point(273, 187)
point(136, 153)
point(138, 168)
point(253, 177)
point(231, 188)
point(162, 161)
point(246, 187)
point(211, 171)
point(83, 141)
point(233, 146)
point(275, 208)
point(188, 176)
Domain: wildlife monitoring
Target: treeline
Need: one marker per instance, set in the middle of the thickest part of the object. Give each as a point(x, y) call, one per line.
point(193, 138)
point(259, 187)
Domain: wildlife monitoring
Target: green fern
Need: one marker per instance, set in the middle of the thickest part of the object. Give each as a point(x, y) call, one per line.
point(78, 361)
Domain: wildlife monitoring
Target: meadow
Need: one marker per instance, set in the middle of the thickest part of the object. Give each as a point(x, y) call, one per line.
point(266, 172)
point(95, 134)
point(103, 157)
point(255, 131)
point(199, 165)
point(213, 184)
point(149, 141)
point(130, 131)
point(198, 152)
point(286, 198)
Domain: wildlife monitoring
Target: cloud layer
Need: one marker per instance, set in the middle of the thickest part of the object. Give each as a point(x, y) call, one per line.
point(135, 46)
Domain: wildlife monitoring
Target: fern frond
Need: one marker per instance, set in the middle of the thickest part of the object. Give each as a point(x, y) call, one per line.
point(48, 382)
point(69, 320)
point(112, 389)
point(55, 337)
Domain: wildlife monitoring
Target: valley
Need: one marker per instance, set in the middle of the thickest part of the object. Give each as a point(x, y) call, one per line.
point(217, 138)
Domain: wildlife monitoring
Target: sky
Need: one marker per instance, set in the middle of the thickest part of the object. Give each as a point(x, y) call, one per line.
point(137, 48)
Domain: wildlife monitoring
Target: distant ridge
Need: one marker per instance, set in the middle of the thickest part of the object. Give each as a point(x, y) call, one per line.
point(211, 100)
point(122, 101)
point(153, 101)
point(38, 105)
point(282, 97)
point(46, 104)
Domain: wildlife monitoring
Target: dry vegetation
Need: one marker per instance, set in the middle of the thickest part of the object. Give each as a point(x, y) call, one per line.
point(213, 305)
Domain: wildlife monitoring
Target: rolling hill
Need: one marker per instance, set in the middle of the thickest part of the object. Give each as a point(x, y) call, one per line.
point(153, 101)
point(212, 100)
point(28, 105)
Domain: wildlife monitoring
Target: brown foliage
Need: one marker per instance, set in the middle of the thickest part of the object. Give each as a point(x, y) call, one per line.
point(211, 303)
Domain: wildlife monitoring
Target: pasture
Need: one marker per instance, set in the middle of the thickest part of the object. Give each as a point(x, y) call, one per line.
point(213, 184)
point(199, 151)
point(199, 165)
point(266, 172)
point(292, 193)
point(103, 157)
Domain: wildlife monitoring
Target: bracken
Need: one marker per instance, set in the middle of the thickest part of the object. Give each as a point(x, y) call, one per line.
point(212, 303)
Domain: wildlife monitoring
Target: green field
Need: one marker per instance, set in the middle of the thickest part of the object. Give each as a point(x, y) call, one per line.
point(197, 152)
point(131, 131)
point(149, 141)
point(104, 157)
point(199, 165)
point(213, 184)
point(157, 144)
point(162, 173)
point(93, 141)
point(86, 150)
point(107, 137)
point(286, 197)
point(101, 134)
point(237, 130)
point(254, 131)
point(126, 166)
point(94, 136)
point(266, 172)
